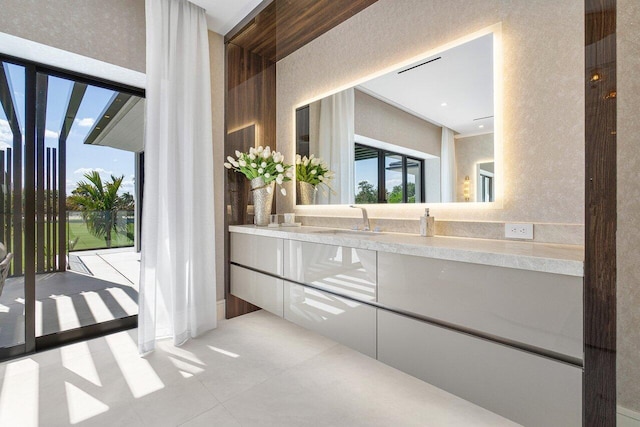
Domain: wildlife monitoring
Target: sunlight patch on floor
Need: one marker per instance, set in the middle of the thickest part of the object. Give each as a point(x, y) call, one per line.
point(83, 365)
point(20, 394)
point(137, 371)
point(67, 316)
point(185, 368)
point(38, 318)
point(82, 405)
point(168, 347)
point(125, 301)
point(225, 352)
point(98, 308)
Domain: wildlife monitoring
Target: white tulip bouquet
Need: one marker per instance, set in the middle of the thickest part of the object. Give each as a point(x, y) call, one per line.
point(262, 163)
point(313, 170)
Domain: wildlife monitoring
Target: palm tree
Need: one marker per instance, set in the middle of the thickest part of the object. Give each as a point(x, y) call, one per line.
point(99, 203)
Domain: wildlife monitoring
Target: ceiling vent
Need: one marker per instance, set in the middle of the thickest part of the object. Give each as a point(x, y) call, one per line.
point(419, 65)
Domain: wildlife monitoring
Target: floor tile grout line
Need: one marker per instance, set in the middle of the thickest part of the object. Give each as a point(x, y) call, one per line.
point(231, 413)
point(281, 372)
point(206, 410)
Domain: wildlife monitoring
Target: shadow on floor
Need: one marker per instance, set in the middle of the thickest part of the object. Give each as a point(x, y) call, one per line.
point(63, 301)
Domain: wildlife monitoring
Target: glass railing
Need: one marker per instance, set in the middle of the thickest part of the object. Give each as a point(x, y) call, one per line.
point(100, 229)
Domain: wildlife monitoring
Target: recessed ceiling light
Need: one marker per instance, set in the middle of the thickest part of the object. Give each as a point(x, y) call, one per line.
point(481, 126)
point(106, 116)
point(444, 104)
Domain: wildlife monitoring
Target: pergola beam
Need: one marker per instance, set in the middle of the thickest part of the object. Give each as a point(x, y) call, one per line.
point(77, 94)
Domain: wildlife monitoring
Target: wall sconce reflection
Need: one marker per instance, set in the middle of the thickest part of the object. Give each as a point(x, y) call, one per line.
point(466, 188)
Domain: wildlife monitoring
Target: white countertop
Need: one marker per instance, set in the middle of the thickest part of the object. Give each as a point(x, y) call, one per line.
point(544, 257)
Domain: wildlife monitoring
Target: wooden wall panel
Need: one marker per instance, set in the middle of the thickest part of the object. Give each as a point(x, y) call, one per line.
point(250, 122)
point(286, 25)
point(599, 397)
point(251, 94)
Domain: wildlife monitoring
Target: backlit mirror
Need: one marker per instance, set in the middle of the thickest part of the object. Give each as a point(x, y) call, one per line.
point(423, 133)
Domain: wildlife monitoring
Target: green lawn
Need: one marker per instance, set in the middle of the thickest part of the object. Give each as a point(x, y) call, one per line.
point(86, 240)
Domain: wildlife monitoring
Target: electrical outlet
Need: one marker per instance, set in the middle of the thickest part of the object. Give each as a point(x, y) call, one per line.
point(518, 231)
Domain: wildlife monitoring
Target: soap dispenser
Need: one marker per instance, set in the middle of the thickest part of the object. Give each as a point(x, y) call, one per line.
point(427, 224)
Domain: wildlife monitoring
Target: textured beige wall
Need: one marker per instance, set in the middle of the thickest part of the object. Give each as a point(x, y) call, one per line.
point(628, 243)
point(216, 58)
point(469, 152)
point(378, 120)
point(112, 31)
point(543, 85)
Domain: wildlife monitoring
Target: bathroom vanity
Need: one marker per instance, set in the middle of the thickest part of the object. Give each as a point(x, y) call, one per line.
point(498, 323)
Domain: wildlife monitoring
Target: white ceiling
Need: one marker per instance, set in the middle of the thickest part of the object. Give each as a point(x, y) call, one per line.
point(462, 78)
point(223, 15)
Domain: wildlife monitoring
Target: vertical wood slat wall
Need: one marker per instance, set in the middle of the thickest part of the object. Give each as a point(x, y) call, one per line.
point(12, 197)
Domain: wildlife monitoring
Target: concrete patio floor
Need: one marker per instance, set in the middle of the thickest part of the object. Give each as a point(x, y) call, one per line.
point(102, 285)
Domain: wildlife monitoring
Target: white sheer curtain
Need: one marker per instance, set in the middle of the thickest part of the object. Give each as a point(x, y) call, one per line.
point(336, 146)
point(177, 280)
point(448, 166)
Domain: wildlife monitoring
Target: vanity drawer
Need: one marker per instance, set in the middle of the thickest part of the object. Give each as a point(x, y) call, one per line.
point(340, 269)
point(528, 389)
point(257, 288)
point(259, 252)
point(535, 308)
point(346, 321)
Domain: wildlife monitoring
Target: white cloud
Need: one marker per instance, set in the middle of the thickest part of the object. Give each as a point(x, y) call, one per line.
point(83, 171)
point(127, 186)
point(50, 134)
point(6, 136)
point(86, 122)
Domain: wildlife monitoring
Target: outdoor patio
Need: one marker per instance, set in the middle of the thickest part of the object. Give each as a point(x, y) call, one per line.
point(100, 285)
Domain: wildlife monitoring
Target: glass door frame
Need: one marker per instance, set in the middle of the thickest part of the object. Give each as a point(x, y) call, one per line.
point(32, 343)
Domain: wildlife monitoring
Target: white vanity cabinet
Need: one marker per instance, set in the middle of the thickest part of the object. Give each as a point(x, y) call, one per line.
point(340, 269)
point(500, 329)
point(528, 389)
point(343, 320)
point(259, 289)
point(257, 254)
point(538, 309)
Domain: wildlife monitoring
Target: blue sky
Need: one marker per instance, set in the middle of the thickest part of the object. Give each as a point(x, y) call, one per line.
point(81, 158)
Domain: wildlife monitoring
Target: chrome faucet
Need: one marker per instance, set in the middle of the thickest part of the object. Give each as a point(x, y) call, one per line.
point(365, 217)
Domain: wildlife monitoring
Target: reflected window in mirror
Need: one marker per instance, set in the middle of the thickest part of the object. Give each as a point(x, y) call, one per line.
point(485, 182)
point(387, 177)
point(366, 174)
point(302, 131)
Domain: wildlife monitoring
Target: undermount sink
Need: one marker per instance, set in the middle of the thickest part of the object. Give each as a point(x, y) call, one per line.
point(359, 233)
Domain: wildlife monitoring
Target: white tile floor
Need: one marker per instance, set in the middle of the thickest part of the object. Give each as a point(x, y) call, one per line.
point(255, 370)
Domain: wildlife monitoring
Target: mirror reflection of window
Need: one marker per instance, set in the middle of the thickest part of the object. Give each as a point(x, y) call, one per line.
point(485, 179)
point(414, 181)
point(383, 176)
point(393, 184)
point(302, 131)
point(366, 174)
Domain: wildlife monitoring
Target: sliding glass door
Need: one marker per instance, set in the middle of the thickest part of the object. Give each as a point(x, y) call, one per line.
point(12, 136)
point(70, 152)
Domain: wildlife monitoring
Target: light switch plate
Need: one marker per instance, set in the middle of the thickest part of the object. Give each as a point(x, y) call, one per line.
point(518, 231)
